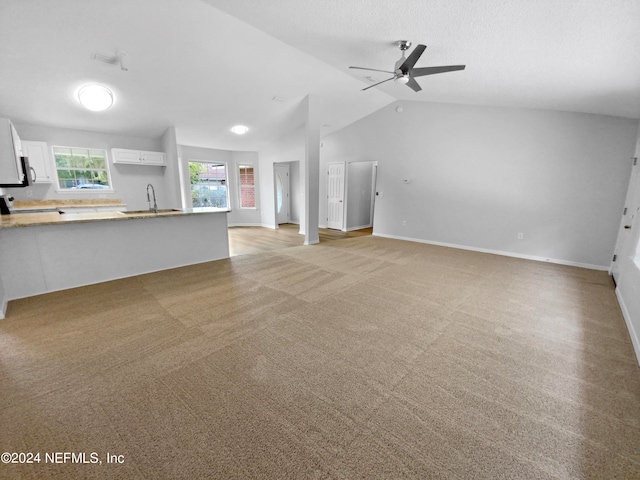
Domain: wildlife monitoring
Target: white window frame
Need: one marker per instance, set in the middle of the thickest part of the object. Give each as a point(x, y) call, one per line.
point(82, 190)
point(212, 162)
point(239, 182)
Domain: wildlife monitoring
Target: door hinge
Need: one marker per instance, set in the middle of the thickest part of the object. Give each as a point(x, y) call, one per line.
point(624, 212)
point(635, 161)
point(614, 257)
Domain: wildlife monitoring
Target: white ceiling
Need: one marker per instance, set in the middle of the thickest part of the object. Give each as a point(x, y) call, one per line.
point(205, 65)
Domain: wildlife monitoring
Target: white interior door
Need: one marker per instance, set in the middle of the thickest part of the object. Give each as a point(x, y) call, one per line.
point(627, 238)
point(626, 268)
point(374, 184)
point(335, 195)
point(283, 204)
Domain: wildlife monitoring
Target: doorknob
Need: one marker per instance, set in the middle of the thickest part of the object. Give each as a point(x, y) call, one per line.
point(627, 227)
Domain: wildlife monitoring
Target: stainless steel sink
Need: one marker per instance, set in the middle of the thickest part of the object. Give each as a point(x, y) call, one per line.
point(149, 212)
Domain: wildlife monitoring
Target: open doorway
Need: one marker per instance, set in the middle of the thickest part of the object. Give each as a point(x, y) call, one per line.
point(351, 189)
point(360, 196)
point(282, 188)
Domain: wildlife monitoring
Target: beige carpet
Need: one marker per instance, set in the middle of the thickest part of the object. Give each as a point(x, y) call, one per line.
point(359, 358)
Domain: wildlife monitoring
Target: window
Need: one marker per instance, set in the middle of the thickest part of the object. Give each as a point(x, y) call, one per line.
point(208, 184)
point(246, 179)
point(81, 168)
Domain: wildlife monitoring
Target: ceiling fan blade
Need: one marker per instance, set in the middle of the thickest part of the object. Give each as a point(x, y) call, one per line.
point(412, 59)
point(413, 84)
point(420, 72)
point(373, 70)
point(370, 86)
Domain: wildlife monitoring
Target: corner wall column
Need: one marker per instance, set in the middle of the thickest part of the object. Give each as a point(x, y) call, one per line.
point(311, 172)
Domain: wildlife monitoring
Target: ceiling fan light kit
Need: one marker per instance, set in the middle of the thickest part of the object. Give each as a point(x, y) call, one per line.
point(404, 71)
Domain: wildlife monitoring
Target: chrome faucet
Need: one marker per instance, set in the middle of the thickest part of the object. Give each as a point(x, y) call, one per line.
point(155, 204)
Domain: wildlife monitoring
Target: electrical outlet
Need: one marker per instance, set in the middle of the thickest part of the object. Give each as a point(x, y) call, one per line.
point(404, 223)
point(29, 192)
point(520, 235)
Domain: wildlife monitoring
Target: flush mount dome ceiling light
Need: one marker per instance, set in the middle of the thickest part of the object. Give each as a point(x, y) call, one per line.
point(95, 97)
point(239, 129)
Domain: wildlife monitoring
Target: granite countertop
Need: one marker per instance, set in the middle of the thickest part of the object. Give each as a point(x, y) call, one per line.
point(41, 205)
point(55, 218)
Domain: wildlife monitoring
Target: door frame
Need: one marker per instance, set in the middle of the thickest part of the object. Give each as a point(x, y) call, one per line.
point(286, 200)
point(625, 270)
point(626, 240)
point(374, 185)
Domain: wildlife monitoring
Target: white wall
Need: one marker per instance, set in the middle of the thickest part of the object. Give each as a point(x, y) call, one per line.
point(238, 216)
point(244, 216)
point(129, 181)
point(480, 175)
point(172, 173)
point(289, 148)
point(301, 144)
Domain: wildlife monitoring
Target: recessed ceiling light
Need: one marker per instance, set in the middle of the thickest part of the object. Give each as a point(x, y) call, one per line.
point(239, 129)
point(95, 97)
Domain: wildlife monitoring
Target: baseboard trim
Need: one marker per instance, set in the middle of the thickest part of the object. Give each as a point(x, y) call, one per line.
point(240, 224)
point(635, 340)
point(498, 252)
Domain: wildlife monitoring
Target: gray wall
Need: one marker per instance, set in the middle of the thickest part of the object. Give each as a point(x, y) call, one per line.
point(480, 175)
point(128, 181)
point(289, 148)
point(244, 216)
point(237, 216)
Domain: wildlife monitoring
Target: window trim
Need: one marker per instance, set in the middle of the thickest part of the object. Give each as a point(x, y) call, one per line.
point(72, 191)
point(239, 183)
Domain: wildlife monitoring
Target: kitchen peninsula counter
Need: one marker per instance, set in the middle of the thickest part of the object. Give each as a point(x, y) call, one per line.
point(47, 252)
point(56, 218)
point(72, 205)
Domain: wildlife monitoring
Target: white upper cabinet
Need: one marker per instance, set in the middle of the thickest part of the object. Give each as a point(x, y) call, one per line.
point(10, 152)
point(153, 158)
point(39, 160)
point(138, 157)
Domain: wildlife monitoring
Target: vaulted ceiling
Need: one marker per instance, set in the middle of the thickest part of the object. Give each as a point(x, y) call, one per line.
point(205, 65)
